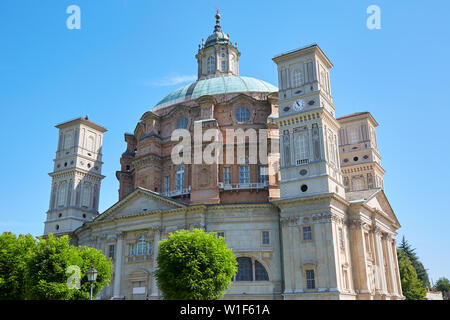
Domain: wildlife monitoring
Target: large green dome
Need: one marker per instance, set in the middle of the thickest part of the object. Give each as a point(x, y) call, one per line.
point(213, 86)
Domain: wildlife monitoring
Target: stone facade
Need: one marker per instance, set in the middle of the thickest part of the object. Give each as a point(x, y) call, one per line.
point(300, 232)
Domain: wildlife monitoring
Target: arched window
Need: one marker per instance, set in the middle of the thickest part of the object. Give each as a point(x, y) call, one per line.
point(298, 78)
point(260, 272)
point(62, 194)
point(90, 143)
point(180, 178)
point(210, 65)
point(242, 114)
point(233, 65)
point(141, 246)
point(68, 141)
point(250, 270)
point(353, 136)
point(302, 145)
point(182, 123)
point(245, 272)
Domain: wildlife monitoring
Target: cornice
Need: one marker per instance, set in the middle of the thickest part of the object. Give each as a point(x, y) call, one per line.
point(72, 171)
point(294, 200)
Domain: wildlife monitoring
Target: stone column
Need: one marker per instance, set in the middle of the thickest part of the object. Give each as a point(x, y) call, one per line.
point(289, 278)
point(157, 237)
point(397, 270)
point(391, 264)
point(381, 274)
point(118, 265)
point(358, 257)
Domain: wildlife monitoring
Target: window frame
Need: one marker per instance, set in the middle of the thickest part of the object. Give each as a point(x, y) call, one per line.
point(310, 282)
point(244, 175)
point(179, 181)
point(227, 175)
point(297, 78)
point(305, 233)
point(242, 114)
point(265, 232)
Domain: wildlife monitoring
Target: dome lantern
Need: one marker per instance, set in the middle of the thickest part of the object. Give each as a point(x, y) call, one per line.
point(217, 56)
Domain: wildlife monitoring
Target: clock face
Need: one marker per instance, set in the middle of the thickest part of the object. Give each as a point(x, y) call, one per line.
point(298, 105)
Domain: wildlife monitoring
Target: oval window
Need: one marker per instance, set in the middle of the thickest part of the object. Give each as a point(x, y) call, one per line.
point(242, 114)
point(182, 123)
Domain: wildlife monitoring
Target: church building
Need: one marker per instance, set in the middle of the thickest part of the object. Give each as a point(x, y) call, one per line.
point(311, 222)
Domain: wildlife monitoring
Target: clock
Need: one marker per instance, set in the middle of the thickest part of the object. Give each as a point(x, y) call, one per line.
point(298, 105)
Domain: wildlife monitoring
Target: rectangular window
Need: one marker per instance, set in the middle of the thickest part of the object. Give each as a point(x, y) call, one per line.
point(262, 174)
point(180, 178)
point(227, 175)
point(132, 250)
point(302, 146)
point(224, 66)
point(310, 281)
point(111, 251)
point(220, 234)
point(166, 184)
point(265, 237)
point(244, 174)
point(307, 234)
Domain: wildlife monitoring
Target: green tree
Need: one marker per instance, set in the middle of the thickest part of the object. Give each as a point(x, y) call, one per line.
point(443, 285)
point(47, 270)
point(14, 252)
point(40, 270)
point(194, 266)
point(422, 273)
point(411, 285)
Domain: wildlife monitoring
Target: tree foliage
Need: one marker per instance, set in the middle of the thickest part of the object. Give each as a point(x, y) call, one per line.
point(39, 269)
point(194, 266)
point(411, 285)
point(443, 285)
point(410, 252)
point(14, 253)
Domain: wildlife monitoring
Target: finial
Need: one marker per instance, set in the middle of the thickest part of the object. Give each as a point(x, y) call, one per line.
point(217, 28)
point(86, 118)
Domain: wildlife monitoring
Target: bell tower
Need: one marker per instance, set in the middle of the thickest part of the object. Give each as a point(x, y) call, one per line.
point(308, 128)
point(76, 176)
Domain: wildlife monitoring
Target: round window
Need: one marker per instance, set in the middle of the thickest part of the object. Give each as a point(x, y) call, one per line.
point(303, 172)
point(355, 159)
point(304, 188)
point(242, 114)
point(182, 123)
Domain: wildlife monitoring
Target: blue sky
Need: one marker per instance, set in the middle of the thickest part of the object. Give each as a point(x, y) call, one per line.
point(129, 54)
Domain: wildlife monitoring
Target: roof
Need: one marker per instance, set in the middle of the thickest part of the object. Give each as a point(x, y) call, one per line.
point(85, 121)
point(358, 114)
point(302, 50)
point(217, 37)
point(214, 86)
